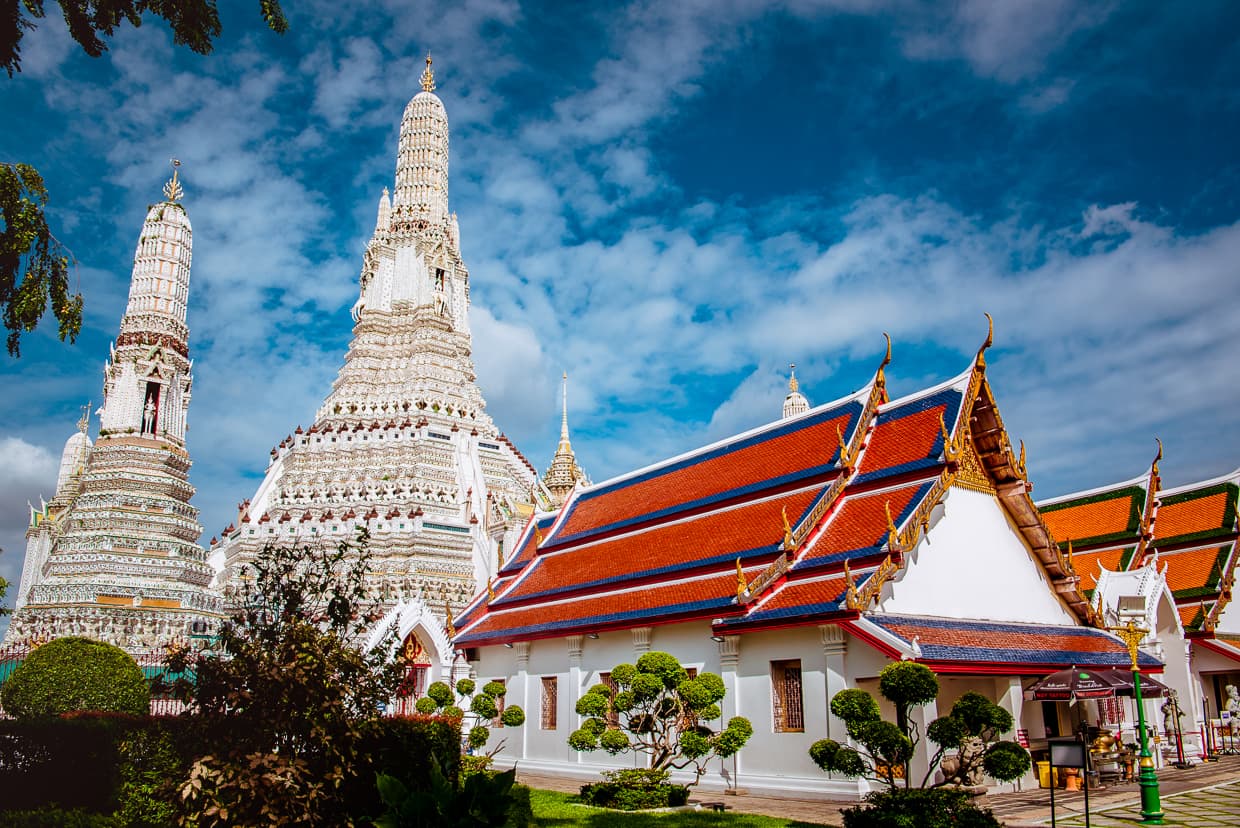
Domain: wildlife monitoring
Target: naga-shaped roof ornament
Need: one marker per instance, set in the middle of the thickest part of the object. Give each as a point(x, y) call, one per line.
point(742, 586)
point(990, 340)
point(428, 77)
point(880, 377)
point(448, 625)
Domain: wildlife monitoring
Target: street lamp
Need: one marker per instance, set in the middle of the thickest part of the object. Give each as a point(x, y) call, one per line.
point(1151, 807)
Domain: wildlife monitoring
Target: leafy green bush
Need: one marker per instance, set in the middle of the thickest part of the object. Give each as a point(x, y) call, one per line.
point(661, 713)
point(635, 789)
point(71, 674)
point(483, 708)
point(883, 749)
point(53, 817)
point(482, 801)
point(150, 767)
point(919, 808)
point(475, 764)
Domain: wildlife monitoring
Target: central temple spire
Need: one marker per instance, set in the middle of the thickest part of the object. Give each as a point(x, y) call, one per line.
point(563, 474)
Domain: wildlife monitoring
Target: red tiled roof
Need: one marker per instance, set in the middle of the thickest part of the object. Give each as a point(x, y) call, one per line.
point(972, 644)
point(706, 595)
point(901, 440)
point(794, 600)
point(793, 451)
point(859, 525)
point(718, 537)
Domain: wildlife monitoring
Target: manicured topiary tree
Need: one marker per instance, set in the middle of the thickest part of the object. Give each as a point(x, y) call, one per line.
point(76, 674)
point(882, 749)
point(483, 707)
point(656, 709)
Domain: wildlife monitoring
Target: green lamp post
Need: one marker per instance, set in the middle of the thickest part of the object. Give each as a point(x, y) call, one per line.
point(1151, 806)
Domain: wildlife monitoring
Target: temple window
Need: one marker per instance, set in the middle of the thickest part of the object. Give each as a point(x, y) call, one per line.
point(549, 700)
point(789, 712)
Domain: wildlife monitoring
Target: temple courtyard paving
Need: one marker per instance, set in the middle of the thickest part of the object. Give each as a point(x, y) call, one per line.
point(1204, 796)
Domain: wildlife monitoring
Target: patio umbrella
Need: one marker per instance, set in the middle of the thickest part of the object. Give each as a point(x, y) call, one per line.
point(1122, 679)
point(1070, 685)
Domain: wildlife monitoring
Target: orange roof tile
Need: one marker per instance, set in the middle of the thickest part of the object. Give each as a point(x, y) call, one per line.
point(1195, 573)
point(796, 599)
point(1206, 512)
point(1115, 516)
point(1086, 563)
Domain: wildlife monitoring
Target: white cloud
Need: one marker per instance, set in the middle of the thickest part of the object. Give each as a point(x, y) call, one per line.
point(30, 470)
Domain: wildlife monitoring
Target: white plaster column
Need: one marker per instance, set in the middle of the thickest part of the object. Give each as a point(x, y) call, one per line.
point(575, 643)
point(641, 640)
point(834, 648)
point(920, 763)
point(1012, 699)
point(523, 679)
point(729, 660)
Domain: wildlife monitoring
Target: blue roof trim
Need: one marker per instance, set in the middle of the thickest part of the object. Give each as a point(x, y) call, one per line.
point(965, 652)
point(673, 609)
point(1080, 658)
point(948, 397)
point(786, 613)
point(853, 408)
point(810, 564)
point(515, 565)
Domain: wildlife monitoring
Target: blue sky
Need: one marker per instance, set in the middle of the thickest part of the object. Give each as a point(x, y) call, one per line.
point(671, 201)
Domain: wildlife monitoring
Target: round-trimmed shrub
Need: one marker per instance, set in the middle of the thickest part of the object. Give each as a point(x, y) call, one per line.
point(76, 674)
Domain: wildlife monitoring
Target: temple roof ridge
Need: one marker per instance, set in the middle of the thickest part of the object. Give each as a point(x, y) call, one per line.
point(1142, 480)
point(859, 395)
point(1230, 477)
point(960, 382)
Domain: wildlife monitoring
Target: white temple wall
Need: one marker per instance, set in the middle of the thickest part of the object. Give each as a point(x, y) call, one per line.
point(943, 577)
point(1229, 620)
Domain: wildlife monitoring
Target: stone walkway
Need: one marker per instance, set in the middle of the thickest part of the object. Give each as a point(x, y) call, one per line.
point(1205, 796)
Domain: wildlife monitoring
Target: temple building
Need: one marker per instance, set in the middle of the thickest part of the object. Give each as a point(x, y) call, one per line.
point(563, 475)
point(796, 560)
point(1173, 552)
point(402, 445)
point(114, 554)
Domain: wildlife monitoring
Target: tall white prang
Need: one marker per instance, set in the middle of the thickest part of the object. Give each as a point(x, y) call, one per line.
point(114, 555)
point(402, 445)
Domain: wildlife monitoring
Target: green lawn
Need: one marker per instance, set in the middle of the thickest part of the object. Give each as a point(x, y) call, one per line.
point(552, 808)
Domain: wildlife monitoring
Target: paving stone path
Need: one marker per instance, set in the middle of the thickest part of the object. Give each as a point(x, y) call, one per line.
point(1214, 807)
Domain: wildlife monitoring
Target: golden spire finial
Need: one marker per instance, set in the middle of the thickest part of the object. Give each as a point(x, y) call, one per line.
point(172, 190)
point(428, 77)
point(793, 385)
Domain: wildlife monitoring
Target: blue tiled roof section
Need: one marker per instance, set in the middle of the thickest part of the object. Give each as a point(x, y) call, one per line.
point(948, 397)
point(943, 639)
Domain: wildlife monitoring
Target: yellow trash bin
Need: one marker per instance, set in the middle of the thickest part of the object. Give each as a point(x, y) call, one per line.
point(1044, 774)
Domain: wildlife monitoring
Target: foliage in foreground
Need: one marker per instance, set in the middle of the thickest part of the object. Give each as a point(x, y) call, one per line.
point(919, 808)
point(634, 789)
point(34, 266)
point(483, 707)
point(971, 730)
point(293, 686)
point(483, 800)
point(555, 808)
point(72, 674)
point(657, 710)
